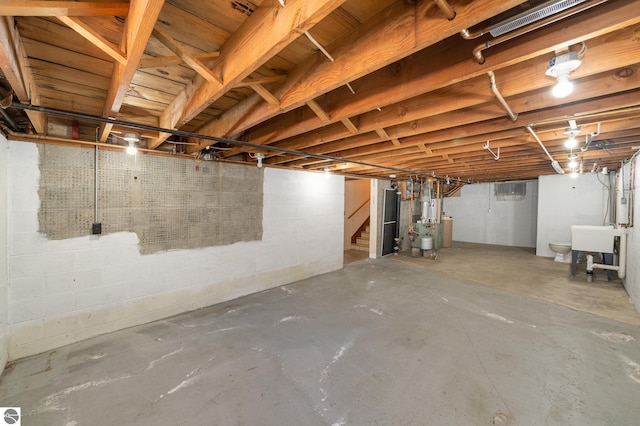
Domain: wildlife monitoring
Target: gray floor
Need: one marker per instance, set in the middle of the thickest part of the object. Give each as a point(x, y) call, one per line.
point(379, 342)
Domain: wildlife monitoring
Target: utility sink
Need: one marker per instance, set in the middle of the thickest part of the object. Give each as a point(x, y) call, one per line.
point(599, 239)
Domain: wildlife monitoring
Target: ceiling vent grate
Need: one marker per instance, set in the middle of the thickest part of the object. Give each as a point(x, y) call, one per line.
point(510, 191)
point(532, 15)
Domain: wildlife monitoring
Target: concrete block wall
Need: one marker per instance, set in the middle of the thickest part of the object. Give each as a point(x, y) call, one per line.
point(564, 201)
point(4, 275)
point(479, 218)
point(62, 291)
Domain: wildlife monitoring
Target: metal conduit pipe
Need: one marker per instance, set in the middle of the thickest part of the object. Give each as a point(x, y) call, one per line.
point(492, 84)
point(12, 124)
point(554, 163)
point(477, 52)
point(446, 8)
point(215, 139)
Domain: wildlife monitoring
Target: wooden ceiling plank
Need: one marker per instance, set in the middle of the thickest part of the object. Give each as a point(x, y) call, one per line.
point(16, 69)
point(264, 34)
point(94, 38)
point(187, 57)
point(138, 27)
point(63, 8)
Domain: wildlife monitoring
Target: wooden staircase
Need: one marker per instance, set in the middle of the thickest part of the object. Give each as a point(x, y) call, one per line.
point(362, 240)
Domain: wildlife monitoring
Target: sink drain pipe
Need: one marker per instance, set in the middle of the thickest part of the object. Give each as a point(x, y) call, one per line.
point(622, 260)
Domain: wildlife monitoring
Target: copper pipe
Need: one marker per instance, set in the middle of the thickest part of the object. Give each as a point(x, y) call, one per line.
point(492, 84)
point(446, 8)
point(477, 52)
point(468, 35)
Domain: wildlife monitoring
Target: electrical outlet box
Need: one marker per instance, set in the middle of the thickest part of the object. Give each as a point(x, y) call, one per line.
point(96, 228)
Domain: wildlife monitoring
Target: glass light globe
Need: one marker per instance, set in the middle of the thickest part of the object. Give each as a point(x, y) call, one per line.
point(572, 142)
point(131, 150)
point(563, 87)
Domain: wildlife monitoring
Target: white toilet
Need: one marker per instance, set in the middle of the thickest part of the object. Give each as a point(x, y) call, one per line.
point(561, 250)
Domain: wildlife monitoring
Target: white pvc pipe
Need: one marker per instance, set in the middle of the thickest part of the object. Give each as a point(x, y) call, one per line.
point(622, 259)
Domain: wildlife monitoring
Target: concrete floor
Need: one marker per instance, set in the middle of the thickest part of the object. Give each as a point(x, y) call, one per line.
point(384, 341)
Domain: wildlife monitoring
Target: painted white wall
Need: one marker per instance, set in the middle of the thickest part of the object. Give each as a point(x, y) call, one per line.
point(4, 275)
point(479, 218)
point(632, 280)
point(564, 201)
point(68, 290)
point(356, 192)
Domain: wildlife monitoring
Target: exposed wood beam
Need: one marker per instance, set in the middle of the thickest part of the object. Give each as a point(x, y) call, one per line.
point(349, 125)
point(261, 80)
point(264, 94)
point(423, 75)
point(318, 110)
point(10, 59)
point(429, 112)
point(396, 33)
point(187, 57)
point(94, 38)
point(16, 69)
point(384, 136)
point(142, 16)
point(424, 148)
point(458, 136)
point(62, 8)
point(264, 34)
point(166, 61)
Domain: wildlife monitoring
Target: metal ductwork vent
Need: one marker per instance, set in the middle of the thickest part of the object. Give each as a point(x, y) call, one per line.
point(510, 191)
point(532, 15)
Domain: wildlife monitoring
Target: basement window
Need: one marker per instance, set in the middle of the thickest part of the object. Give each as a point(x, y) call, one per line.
point(510, 191)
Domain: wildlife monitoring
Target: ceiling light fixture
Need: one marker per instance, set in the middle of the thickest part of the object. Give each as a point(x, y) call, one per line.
point(131, 137)
point(258, 156)
point(131, 149)
point(572, 132)
point(571, 142)
point(560, 67)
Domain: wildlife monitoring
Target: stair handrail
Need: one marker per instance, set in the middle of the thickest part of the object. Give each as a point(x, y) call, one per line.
point(361, 206)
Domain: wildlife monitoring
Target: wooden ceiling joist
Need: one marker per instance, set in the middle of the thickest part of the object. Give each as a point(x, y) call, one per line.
point(265, 94)
point(94, 38)
point(187, 57)
point(16, 69)
point(421, 75)
point(166, 61)
point(63, 8)
point(266, 33)
point(137, 30)
point(401, 32)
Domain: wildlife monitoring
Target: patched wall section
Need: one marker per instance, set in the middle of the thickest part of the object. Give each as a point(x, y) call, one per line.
point(168, 202)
